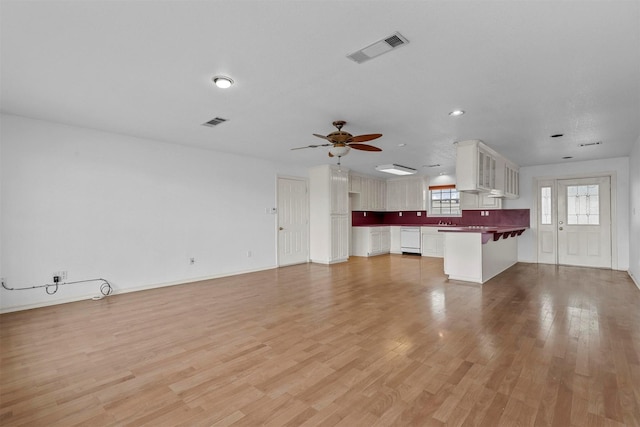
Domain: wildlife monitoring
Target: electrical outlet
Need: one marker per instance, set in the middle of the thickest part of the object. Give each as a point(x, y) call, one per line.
point(419, 213)
point(248, 254)
point(399, 213)
point(61, 275)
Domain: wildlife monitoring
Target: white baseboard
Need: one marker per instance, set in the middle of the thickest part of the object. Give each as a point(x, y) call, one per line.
point(634, 279)
point(128, 290)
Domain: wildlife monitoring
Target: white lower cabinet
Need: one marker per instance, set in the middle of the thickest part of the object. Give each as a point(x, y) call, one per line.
point(370, 241)
point(396, 245)
point(432, 242)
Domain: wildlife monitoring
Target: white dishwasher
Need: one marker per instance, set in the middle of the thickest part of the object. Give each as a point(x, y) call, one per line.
point(410, 240)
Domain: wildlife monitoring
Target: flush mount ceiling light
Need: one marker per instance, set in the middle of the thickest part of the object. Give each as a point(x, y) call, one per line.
point(455, 113)
point(396, 169)
point(223, 82)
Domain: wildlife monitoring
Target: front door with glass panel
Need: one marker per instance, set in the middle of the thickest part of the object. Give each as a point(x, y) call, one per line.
point(574, 222)
point(584, 222)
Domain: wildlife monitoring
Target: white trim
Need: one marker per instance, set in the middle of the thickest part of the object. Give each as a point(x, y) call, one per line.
point(128, 290)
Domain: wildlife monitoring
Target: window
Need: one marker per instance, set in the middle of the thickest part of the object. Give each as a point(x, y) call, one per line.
point(444, 200)
point(583, 205)
point(545, 205)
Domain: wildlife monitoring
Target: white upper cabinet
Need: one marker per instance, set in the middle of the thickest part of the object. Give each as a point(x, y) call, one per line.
point(372, 191)
point(355, 183)
point(479, 169)
point(407, 194)
point(511, 180)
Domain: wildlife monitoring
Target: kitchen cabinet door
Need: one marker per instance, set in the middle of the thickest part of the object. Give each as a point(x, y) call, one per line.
point(432, 242)
point(339, 191)
point(339, 238)
point(385, 240)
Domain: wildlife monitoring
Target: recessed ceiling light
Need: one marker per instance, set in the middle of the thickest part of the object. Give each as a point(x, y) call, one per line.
point(402, 144)
point(222, 82)
point(557, 135)
point(456, 113)
point(567, 157)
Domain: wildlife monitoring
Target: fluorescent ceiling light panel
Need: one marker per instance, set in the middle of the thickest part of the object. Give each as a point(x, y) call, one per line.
point(396, 169)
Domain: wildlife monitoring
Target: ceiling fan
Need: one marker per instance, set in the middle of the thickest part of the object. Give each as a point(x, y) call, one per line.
point(341, 142)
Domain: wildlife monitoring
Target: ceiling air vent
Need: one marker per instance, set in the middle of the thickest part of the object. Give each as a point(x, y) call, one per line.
point(214, 122)
point(385, 45)
point(588, 144)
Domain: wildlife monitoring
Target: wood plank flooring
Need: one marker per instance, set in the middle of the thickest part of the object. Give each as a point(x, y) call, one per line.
point(373, 342)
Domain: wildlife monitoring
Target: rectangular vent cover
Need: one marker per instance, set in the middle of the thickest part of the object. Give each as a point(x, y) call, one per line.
point(384, 45)
point(588, 144)
point(215, 122)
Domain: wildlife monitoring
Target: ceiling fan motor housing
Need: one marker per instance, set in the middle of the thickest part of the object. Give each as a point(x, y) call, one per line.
point(339, 137)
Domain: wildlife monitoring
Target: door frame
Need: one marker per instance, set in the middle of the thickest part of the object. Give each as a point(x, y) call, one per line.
point(277, 216)
point(613, 205)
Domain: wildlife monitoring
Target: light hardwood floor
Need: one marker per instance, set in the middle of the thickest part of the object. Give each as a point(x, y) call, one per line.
point(372, 342)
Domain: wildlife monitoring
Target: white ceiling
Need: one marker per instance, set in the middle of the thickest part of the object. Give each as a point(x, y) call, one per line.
point(522, 70)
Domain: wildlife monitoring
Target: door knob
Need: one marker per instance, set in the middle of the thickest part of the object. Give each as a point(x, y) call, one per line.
point(280, 228)
point(560, 222)
point(560, 228)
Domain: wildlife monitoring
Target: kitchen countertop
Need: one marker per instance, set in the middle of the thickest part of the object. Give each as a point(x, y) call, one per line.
point(488, 232)
point(406, 225)
point(483, 229)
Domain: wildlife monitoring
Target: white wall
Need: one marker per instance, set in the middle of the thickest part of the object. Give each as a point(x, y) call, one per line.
point(620, 165)
point(634, 223)
point(130, 210)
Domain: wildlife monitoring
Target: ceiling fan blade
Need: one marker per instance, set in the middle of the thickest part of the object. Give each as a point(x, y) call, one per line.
point(363, 138)
point(321, 136)
point(365, 147)
point(312, 146)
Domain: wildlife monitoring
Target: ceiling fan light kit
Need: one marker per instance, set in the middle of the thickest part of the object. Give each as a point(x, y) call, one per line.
point(339, 150)
point(396, 169)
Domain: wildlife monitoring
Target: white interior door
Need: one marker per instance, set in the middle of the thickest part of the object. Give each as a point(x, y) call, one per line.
point(584, 222)
point(293, 221)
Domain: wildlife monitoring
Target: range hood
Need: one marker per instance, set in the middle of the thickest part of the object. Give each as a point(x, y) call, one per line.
point(496, 194)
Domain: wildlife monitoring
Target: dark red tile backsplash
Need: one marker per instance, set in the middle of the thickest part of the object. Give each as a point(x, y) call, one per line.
point(502, 217)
